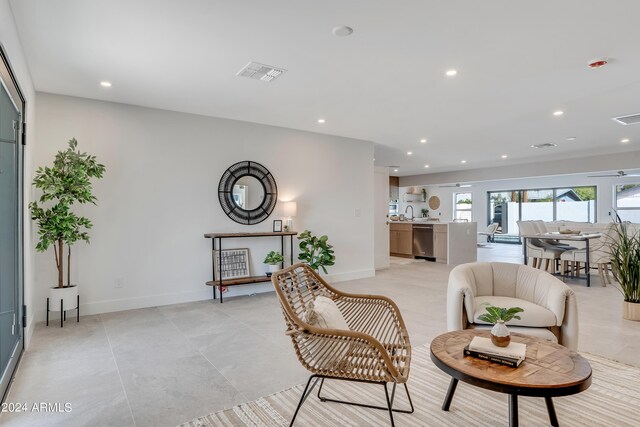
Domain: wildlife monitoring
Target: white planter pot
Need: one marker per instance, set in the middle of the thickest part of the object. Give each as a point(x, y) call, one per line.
point(272, 268)
point(68, 295)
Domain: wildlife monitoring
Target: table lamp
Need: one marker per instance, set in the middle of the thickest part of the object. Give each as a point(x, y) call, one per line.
point(290, 209)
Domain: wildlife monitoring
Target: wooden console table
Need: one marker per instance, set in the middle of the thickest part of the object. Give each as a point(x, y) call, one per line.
point(243, 280)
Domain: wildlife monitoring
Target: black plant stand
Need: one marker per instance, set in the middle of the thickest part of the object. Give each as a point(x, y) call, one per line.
point(63, 313)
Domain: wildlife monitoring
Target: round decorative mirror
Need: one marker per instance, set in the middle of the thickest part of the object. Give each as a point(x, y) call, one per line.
point(247, 192)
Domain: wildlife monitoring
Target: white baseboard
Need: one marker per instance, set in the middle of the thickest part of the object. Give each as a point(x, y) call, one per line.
point(28, 331)
point(108, 306)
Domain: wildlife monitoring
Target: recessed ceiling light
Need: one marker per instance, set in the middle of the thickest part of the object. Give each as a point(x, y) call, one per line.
point(571, 138)
point(451, 73)
point(105, 84)
point(624, 141)
point(342, 31)
point(409, 153)
point(463, 161)
point(558, 113)
point(395, 170)
point(423, 141)
point(504, 156)
point(426, 166)
point(321, 121)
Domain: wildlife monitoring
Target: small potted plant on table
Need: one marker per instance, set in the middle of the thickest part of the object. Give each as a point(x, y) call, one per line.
point(497, 316)
point(274, 259)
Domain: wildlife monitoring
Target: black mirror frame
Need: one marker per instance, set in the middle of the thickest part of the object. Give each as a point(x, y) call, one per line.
point(225, 192)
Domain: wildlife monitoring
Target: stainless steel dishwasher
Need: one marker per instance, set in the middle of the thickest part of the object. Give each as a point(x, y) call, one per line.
point(423, 240)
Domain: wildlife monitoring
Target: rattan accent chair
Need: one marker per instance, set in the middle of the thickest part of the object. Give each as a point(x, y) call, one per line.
point(375, 349)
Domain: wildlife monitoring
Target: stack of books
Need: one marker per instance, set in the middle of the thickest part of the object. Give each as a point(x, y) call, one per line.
point(483, 348)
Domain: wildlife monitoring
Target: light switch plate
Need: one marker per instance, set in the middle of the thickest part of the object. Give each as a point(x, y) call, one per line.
point(357, 212)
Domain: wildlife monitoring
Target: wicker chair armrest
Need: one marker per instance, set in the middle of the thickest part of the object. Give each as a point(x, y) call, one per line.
point(369, 347)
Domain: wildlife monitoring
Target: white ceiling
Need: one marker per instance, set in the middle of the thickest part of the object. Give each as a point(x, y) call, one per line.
point(517, 62)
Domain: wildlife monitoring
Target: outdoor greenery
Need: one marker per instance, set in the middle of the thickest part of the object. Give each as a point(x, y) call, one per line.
point(585, 193)
point(273, 258)
point(464, 202)
point(625, 260)
point(495, 314)
point(315, 251)
point(66, 182)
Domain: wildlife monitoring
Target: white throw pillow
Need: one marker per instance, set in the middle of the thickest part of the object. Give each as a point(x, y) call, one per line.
point(324, 313)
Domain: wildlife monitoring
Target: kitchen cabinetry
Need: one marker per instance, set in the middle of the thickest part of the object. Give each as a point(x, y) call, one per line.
point(401, 239)
point(440, 242)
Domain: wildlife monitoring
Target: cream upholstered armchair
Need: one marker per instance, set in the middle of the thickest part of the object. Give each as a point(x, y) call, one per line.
point(341, 336)
point(550, 307)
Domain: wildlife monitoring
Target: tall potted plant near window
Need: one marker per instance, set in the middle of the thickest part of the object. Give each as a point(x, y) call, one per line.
point(65, 183)
point(624, 248)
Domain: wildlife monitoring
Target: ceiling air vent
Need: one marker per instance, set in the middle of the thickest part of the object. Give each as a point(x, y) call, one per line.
point(257, 71)
point(628, 120)
point(545, 145)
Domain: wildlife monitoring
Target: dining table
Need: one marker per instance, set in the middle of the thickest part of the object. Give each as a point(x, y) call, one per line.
point(578, 237)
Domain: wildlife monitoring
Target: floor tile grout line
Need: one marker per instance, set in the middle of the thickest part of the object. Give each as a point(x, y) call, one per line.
point(133, 418)
point(244, 398)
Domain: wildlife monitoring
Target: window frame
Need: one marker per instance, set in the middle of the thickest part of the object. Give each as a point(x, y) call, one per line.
point(555, 195)
point(455, 205)
point(615, 197)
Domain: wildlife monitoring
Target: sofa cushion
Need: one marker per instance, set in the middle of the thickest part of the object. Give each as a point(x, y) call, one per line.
point(533, 315)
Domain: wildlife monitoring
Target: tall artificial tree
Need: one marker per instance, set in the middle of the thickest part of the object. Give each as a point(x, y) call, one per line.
point(66, 182)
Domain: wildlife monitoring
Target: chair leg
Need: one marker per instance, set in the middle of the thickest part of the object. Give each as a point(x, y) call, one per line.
point(603, 280)
point(390, 401)
point(546, 265)
point(364, 405)
point(307, 391)
point(578, 269)
point(606, 273)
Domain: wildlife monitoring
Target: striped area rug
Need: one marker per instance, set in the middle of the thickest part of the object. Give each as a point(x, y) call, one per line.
point(612, 400)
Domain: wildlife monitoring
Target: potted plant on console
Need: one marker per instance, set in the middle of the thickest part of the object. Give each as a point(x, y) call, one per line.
point(624, 249)
point(65, 183)
point(274, 259)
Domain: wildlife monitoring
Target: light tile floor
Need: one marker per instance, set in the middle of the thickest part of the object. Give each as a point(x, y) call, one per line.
point(162, 366)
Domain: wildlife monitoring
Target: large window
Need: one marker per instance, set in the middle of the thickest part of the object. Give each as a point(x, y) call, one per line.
point(462, 206)
point(547, 204)
point(627, 202)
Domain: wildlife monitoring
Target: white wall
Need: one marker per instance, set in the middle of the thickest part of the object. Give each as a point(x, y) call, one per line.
point(11, 44)
point(159, 196)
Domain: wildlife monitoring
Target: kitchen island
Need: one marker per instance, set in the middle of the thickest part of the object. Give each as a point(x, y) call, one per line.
point(448, 243)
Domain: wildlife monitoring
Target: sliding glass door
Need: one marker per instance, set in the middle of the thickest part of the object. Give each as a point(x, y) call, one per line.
point(546, 204)
point(11, 336)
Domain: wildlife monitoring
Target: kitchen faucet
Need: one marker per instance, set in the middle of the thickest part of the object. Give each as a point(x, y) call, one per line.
point(407, 208)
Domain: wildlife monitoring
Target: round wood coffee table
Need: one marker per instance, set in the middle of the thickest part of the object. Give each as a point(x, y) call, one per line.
point(549, 370)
